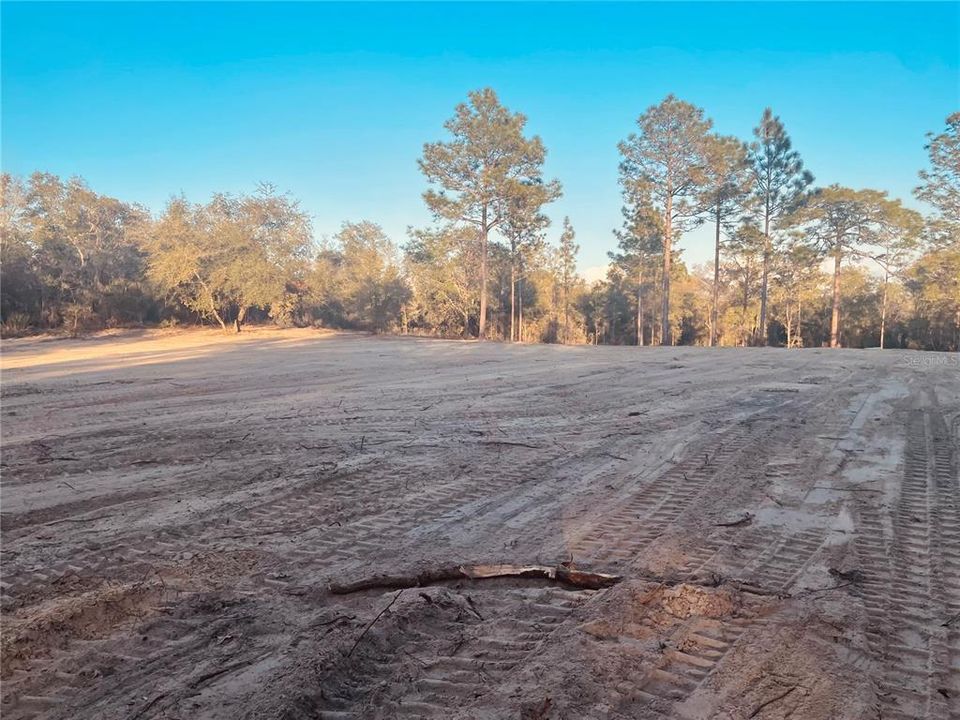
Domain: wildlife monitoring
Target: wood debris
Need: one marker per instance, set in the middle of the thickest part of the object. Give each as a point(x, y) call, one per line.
point(564, 573)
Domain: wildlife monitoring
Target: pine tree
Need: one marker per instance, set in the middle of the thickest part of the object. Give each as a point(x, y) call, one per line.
point(666, 163)
point(724, 193)
point(779, 185)
point(487, 164)
point(568, 271)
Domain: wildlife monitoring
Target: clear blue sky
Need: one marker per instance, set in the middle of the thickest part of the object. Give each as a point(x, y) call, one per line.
point(333, 102)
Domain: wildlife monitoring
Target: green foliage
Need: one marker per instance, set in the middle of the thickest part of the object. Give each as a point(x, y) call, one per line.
point(567, 260)
point(934, 283)
point(638, 257)
point(445, 293)
point(940, 185)
point(489, 173)
point(663, 168)
point(743, 272)
point(368, 278)
point(779, 177)
point(665, 164)
point(73, 259)
point(779, 184)
point(231, 255)
point(65, 251)
point(839, 221)
point(727, 178)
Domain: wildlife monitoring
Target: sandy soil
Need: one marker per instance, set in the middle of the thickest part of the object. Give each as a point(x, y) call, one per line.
point(175, 506)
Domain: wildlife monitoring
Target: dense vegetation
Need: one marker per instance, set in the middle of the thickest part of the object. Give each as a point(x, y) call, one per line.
point(795, 264)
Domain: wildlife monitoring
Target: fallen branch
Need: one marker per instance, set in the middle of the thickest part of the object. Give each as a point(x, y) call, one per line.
point(77, 520)
point(143, 710)
point(844, 489)
point(771, 701)
point(510, 443)
point(746, 587)
point(373, 622)
point(817, 591)
point(564, 573)
point(205, 679)
point(615, 457)
point(567, 574)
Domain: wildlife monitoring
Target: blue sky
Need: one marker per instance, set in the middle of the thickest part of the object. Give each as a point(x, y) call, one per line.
point(333, 102)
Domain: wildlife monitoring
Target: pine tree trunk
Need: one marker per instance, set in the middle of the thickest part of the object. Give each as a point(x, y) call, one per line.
point(716, 283)
point(883, 308)
point(744, 331)
point(665, 333)
point(640, 306)
point(482, 330)
point(513, 293)
point(800, 319)
point(835, 315)
point(789, 324)
point(520, 308)
point(501, 323)
point(763, 283)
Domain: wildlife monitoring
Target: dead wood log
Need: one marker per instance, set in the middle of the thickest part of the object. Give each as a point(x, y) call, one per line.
point(564, 573)
point(569, 575)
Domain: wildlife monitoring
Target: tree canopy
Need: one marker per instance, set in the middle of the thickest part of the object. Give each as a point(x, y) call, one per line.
point(780, 181)
point(73, 259)
point(485, 171)
point(664, 165)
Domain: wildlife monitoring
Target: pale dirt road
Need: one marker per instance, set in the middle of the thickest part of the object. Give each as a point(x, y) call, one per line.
point(174, 507)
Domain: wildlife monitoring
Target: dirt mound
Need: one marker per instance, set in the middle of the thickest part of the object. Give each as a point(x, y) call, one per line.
point(55, 623)
point(684, 601)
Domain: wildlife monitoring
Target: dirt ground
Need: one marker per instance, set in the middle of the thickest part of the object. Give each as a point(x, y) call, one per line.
point(175, 507)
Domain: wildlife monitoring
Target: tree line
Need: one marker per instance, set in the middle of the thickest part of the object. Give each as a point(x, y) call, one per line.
point(794, 264)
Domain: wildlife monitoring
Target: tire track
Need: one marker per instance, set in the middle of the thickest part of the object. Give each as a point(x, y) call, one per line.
point(511, 625)
point(698, 647)
point(911, 563)
point(622, 533)
point(771, 561)
point(731, 457)
point(346, 518)
point(946, 564)
point(341, 515)
point(56, 689)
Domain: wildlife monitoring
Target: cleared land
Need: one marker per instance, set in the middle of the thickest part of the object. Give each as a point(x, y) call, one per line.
point(174, 508)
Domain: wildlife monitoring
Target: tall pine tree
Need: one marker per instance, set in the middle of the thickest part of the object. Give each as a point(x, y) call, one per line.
point(487, 163)
point(779, 185)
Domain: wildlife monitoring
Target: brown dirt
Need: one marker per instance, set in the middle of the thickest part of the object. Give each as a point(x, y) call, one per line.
point(174, 506)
